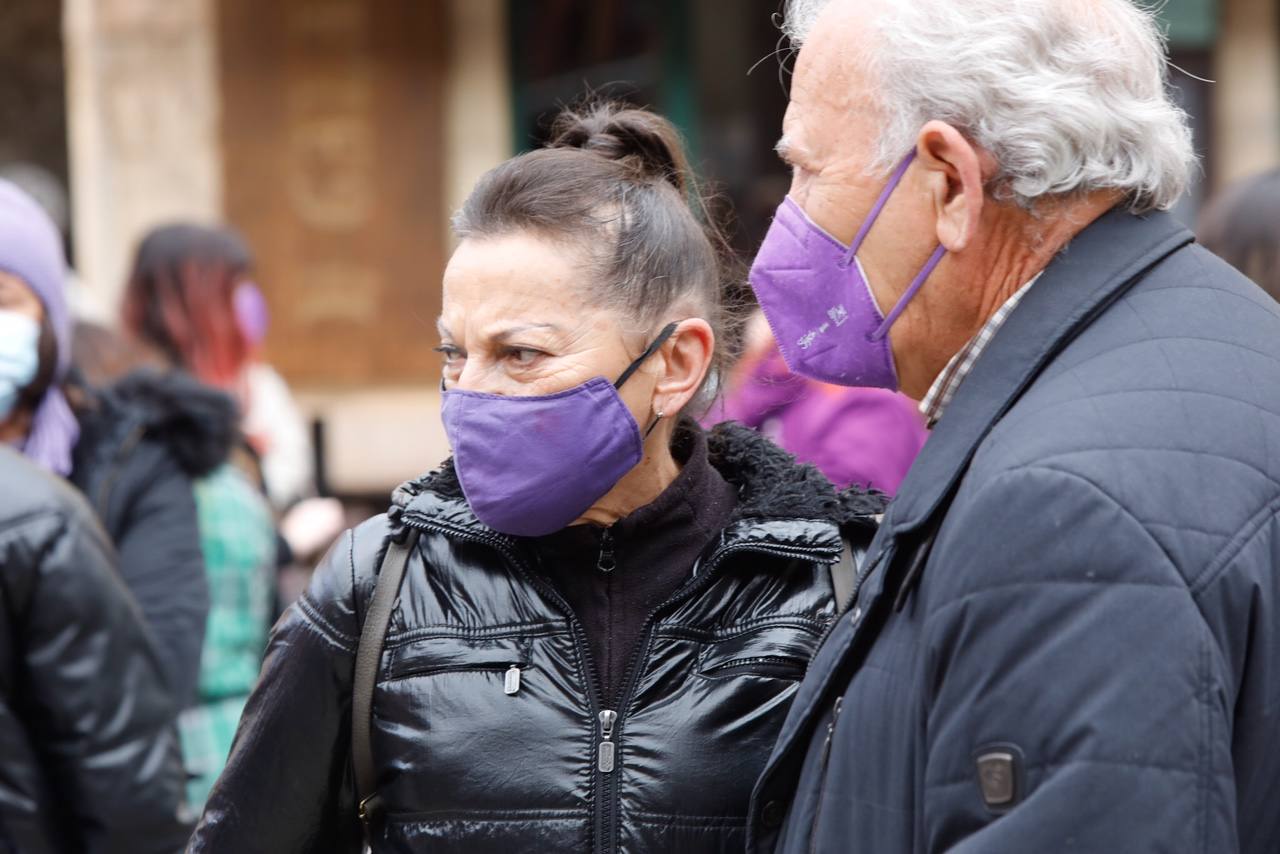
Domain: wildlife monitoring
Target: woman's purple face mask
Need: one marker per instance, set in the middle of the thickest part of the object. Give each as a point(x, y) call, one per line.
point(542, 406)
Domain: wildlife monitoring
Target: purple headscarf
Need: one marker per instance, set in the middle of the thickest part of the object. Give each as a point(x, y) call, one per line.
point(31, 249)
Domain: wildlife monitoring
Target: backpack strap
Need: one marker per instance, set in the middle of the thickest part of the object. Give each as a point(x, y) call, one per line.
point(368, 661)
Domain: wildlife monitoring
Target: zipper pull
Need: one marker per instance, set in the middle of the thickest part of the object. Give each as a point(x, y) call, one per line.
point(606, 562)
point(605, 759)
point(512, 682)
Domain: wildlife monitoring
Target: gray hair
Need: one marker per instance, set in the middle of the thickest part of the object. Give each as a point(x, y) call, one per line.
point(1068, 96)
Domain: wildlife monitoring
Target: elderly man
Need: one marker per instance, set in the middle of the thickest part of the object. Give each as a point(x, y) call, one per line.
point(1065, 637)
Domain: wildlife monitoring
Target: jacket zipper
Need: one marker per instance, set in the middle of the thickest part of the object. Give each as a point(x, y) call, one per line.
point(608, 830)
point(504, 547)
point(822, 774)
point(611, 735)
point(608, 560)
point(606, 752)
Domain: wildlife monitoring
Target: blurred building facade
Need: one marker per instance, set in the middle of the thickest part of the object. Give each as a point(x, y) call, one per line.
point(339, 135)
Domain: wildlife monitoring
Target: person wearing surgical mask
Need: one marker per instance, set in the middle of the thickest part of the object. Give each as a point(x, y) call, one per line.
point(132, 449)
point(603, 610)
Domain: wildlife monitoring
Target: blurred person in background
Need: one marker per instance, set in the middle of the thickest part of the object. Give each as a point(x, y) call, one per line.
point(50, 192)
point(1242, 226)
point(271, 418)
point(863, 436)
point(602, 609)
point(179, 305)
point(89, 759)
point(132, 450)
point(192, 300)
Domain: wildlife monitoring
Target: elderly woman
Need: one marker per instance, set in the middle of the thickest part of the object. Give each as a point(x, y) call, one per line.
point(604, 611)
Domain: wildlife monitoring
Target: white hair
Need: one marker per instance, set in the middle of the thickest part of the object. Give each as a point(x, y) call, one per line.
point(1068, 96)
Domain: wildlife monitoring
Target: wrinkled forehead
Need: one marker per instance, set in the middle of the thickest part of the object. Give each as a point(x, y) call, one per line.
point(517, 280)
point(833, 101)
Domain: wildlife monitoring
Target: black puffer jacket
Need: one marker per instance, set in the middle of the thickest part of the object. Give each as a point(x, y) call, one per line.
point(142, 443)
point(89, 757)
point(467, 767)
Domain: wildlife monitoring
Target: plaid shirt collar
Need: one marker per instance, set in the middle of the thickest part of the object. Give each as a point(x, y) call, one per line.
point(945, 386)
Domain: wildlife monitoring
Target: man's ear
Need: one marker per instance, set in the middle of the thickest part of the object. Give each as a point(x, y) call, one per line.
point(956, 178)
point(688, 355)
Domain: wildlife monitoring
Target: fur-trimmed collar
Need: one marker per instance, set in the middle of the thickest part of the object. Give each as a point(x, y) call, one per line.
point(195, 422)
point(770, 485)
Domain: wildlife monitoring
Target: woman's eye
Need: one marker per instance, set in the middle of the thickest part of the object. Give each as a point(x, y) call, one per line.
point(524, 357)
point(449, 354)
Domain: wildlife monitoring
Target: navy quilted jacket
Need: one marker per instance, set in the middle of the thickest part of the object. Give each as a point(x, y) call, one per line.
point(1067, 636)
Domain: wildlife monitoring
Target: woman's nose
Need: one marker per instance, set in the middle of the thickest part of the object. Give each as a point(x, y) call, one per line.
point(478, 377)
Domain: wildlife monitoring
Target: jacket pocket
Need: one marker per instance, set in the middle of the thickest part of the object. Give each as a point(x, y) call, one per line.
point(780, 652)
point(425, 656)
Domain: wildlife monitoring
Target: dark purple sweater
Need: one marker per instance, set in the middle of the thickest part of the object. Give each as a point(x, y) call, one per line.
point(614, 577)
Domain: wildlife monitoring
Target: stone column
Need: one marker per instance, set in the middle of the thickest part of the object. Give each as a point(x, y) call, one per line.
point(142, 115)
point(477, 97)
point(1247, 124)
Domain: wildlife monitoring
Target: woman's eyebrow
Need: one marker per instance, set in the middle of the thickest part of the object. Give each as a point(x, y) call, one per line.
point(513, 331)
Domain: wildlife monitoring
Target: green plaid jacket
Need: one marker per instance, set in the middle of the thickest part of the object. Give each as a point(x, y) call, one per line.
point(237, 535)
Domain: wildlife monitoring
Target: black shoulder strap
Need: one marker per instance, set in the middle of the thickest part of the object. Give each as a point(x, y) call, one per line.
point(368, 661)
point(844, 572)
point(842, 577)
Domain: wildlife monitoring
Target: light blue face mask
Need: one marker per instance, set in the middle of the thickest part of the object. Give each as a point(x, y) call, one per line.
point(19, 357)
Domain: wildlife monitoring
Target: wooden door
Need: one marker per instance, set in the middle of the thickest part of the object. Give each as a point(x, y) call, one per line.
point(331, 113)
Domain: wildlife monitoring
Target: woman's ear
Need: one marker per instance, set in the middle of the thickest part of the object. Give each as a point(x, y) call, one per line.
point(687, 356)
point(956, 179)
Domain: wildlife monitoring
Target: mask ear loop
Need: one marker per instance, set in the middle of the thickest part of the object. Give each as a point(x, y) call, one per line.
point(916, 284)
point(879, 206)
point(657, 419)
point(925, 272)
point(663, 337)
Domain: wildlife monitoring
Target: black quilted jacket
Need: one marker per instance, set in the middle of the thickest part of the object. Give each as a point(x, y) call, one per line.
point(89, 758)
point(470, 765)
point(143, 441)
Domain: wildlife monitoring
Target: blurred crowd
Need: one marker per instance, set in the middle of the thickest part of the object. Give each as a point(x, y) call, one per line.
point(189, 451)
point(157, 476)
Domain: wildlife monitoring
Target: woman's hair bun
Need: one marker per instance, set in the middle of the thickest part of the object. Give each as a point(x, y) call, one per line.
point(645, 141)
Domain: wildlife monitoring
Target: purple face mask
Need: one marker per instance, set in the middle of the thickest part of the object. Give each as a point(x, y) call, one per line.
point(815, 295)
point(531, 465)
point(252, 314)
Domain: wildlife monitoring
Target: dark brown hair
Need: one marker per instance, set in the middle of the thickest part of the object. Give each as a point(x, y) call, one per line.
point(616, 183)
point(179, 299)
point(1243, 227)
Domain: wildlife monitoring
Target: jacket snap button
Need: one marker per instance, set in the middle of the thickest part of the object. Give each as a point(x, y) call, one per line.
point(773, 814)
